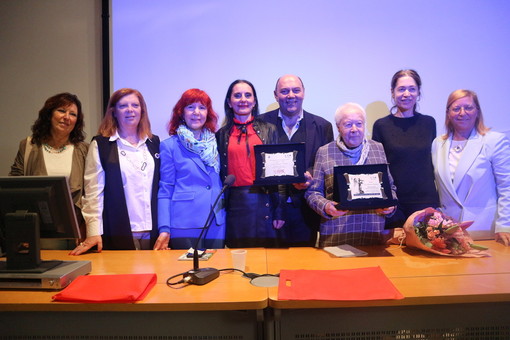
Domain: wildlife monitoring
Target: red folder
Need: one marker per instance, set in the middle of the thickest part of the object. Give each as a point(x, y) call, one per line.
point(347, 284)
point(108, 288)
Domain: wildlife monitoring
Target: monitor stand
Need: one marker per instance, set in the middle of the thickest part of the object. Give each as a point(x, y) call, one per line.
point(23, 268)
point(23, 244)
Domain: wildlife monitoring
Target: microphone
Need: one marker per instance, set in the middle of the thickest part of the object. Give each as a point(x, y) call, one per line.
point(201, 276)
point(228, 182)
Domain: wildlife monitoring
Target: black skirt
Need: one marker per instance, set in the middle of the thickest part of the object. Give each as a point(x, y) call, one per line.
point(250, 211)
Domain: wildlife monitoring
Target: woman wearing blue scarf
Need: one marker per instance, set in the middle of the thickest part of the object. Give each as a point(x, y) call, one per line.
point(190, 180)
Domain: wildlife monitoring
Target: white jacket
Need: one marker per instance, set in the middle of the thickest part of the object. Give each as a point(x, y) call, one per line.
point(480, 190)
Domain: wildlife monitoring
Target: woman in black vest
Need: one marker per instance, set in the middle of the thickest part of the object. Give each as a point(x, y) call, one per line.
point(121, 179)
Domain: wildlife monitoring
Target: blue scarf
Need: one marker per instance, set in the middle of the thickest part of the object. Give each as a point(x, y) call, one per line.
point(358, 155)
point(206, 147)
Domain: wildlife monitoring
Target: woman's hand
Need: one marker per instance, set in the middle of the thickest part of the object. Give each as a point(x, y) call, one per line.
point(332, 211)
point(162, 241)
point(504, 237)
point(87, 244)
point(277, 224)
point(385, 211)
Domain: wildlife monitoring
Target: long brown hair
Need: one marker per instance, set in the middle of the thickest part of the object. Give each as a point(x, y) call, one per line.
point(41, 130)
point(109, 124)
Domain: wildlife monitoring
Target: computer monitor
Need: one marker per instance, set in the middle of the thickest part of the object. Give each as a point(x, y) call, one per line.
point(32, 207)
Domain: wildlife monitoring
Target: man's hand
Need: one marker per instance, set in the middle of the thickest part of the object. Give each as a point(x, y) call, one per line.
point(306, 184)
point(277, 224)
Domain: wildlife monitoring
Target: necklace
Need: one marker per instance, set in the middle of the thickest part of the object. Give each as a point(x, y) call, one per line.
point(133, 163)
point(51, 149)
point(458, 146)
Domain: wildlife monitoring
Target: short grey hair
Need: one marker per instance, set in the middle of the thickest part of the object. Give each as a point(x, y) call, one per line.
point(339, 113)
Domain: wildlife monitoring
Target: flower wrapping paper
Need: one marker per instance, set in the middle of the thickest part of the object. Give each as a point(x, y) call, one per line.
point(434, 218)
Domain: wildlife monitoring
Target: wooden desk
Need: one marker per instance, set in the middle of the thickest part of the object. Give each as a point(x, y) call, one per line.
point(461, 298)
point(475, 290)
point(229, 305)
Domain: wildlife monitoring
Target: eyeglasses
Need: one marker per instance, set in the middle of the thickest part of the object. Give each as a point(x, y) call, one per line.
point(467, 109)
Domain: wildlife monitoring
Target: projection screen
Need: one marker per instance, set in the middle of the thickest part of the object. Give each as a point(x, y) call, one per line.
point(344, 51)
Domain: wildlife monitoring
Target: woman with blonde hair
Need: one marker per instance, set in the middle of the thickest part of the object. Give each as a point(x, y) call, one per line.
point(472, 170)
point(121, 178)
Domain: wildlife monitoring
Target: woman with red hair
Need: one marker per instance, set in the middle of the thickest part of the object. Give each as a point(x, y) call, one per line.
point(190, 180)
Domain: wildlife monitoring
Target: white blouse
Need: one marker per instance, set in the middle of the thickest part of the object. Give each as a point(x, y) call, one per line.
point(137, 171)
point(59, 163)
point(456, 150)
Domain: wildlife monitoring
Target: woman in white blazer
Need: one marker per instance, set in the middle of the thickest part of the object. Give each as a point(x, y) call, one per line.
point(472, 169)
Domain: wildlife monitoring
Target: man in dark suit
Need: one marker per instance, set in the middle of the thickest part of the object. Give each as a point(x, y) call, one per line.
point(298, 126)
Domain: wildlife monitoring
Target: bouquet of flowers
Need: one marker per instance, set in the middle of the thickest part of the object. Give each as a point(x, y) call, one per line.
point(431, 230)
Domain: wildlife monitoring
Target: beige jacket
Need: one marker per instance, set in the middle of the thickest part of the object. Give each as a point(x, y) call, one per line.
point(35, 166)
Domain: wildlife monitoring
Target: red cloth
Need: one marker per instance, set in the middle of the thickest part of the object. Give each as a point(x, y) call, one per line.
point(346, 284)
point(108, 288)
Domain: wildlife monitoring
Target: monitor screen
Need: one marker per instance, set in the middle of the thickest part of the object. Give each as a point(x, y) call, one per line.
point(48, 196)
point(33, 207)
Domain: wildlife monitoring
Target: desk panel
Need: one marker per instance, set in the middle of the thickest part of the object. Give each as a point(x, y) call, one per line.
point(445, 297)
point(481, 321)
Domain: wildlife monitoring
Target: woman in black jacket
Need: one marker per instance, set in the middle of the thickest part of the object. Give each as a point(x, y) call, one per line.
point(253, 212)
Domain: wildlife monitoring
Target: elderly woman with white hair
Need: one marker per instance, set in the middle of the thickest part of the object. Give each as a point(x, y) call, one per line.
point(354, 227)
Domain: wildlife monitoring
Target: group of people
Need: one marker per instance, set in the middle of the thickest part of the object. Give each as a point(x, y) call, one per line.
point(134, 192)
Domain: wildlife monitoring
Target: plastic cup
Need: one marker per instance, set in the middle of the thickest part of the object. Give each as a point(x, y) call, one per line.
point(239, 259)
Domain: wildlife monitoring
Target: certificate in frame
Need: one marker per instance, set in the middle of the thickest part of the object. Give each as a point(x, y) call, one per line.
point(279, 163)
point(362, 187)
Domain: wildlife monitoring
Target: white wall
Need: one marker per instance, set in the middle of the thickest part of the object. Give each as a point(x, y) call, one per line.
point(47, 47)
point(344, 50)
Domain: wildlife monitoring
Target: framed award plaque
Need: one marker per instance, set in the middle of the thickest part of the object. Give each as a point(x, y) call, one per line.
point(279, 163)
point(362, 187)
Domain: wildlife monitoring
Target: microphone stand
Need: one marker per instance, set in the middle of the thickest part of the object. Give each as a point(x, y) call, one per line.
point(201, 276)
point(206, 226)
